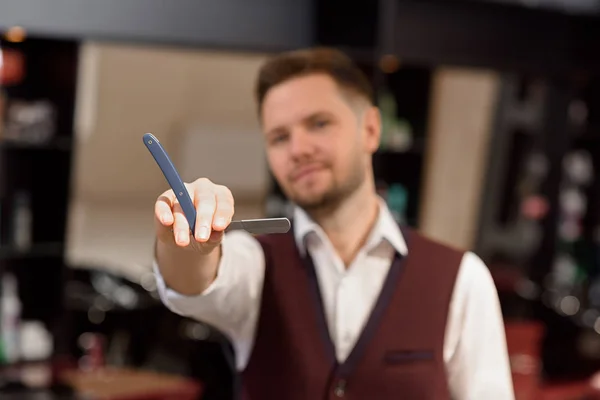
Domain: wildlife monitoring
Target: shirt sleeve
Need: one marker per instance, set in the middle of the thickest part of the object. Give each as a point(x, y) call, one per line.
point(231, 303)
point(475, 349)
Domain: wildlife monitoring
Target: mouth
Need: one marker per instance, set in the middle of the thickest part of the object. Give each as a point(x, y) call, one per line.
point(305, 172)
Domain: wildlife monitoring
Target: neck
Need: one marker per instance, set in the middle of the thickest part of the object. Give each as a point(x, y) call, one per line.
point(349, 224)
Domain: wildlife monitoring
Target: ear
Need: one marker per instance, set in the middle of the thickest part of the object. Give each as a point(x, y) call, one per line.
point(372, 128)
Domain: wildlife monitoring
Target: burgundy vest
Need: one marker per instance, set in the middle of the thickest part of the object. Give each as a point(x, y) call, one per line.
point(399, 353)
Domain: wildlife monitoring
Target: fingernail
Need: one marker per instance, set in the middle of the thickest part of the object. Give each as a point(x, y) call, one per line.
point(220, 222)
point(203, 232)
point(179, 237)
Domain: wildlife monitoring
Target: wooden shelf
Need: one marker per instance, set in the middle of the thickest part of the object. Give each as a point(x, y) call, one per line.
point(60, 144)
point(36, 251)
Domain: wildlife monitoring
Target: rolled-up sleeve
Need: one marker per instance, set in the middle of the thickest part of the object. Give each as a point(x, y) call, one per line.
point(231, 303)
point(475, 347)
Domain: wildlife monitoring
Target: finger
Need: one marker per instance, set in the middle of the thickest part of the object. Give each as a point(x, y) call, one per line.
point(216, 237)
point(224, 208)
point(163, 208)
point(164, 233)
point(181, 228)
point(205, 203)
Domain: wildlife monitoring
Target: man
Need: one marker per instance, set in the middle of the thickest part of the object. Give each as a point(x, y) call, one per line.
point(347, 305)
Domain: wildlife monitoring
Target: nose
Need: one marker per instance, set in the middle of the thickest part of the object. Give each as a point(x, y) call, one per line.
point(301, 144)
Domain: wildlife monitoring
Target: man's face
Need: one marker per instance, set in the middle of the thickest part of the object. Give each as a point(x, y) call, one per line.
point(319, 140)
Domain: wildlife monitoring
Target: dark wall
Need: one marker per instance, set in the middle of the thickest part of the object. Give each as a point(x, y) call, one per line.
point(481, 33)
point(570, 6)
point(490, 35)
point(235, 24)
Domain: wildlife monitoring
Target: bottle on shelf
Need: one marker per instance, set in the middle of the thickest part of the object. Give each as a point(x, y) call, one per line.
point(36, 343)
point(22, 222)
point(10, 316)
point(396, 133)
point(397, 200)
point(31, 122)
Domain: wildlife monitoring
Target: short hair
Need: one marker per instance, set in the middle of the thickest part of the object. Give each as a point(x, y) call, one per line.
point(329, 61)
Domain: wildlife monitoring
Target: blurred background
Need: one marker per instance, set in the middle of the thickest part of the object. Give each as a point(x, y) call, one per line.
point(491, 142)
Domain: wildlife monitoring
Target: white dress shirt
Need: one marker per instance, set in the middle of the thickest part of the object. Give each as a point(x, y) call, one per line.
point(475, 351)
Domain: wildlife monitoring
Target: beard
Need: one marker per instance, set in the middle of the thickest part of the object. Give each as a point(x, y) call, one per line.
point(330, 198)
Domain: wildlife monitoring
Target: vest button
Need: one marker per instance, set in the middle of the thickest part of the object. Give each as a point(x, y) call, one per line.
point(340, 388)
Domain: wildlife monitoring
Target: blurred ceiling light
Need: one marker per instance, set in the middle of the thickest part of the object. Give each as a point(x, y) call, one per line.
point(16, 34)
point(389, 63)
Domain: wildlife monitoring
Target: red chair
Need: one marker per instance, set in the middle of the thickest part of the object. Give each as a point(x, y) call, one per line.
point(523, 341)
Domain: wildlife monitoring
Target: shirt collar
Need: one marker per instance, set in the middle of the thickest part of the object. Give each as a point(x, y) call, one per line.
point(386, 228)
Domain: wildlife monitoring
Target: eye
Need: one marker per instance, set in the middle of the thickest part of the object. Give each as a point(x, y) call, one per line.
point(319, 123)
point(278, 138)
